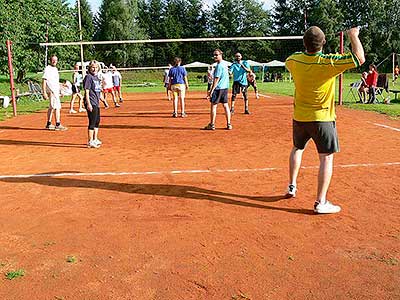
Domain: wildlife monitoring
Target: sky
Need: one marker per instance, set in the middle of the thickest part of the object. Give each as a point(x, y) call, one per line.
point(95, 4)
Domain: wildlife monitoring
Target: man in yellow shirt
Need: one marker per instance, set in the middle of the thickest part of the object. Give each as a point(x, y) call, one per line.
point(314, 75)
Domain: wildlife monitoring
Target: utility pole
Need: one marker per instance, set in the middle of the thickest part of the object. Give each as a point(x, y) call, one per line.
point(80, 36)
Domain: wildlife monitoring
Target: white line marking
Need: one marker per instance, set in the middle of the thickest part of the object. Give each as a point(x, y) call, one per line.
point(386, 126)
point(266, 96)
point(77, 174)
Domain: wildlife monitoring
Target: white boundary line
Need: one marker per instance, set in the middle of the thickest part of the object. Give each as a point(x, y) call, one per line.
point(265, 96)
point(176, 172)
point(386, 126)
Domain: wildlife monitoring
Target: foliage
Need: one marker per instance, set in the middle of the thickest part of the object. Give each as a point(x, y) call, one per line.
point(15, 274)
point(117, 20)
point(26, 26)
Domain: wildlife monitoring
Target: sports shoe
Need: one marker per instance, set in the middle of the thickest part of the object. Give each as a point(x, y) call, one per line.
point(232, 110)
point(174, 115)
point(93, 144)
point(183, 115)
point(71, 111)
point(257, 96)
point(121, 100)
point(209, 127)
point(116, 104)
point(229, 126)
point(246, 112)
point(50, 127)
point(82, 110)
point(60, 128)
point(98, 142)
point(326, 208)
point(291, 192)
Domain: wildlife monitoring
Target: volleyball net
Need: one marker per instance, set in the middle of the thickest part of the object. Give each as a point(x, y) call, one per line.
point(143, 61)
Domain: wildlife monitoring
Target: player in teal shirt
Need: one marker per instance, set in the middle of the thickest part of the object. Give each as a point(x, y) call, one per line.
point(239, 69)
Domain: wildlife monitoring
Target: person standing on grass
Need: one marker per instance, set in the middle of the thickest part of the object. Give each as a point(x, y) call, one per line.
point(218, 92)
point(76, 83)
point(314, 116)
point(372, 80)
point(93, 96)
point(239, 68)
point(117, 83)
point(178, 84)
point(51, 92)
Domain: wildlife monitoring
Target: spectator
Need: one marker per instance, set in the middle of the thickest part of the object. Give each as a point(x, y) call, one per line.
point(396, 73)
point(363, 89)
point(371, 81)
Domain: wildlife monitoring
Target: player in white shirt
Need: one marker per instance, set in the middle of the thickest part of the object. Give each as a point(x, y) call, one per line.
point(51, 92)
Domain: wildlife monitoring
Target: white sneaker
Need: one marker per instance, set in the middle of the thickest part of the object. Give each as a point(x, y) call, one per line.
point(71, 111)
point(93, 144)
point(82, 110)
point(326, 208)
point(98, 142)
point(291, 191)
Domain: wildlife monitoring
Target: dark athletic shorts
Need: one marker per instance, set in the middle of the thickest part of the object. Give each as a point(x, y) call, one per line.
point(75, 89)
point(219, 96)
point(237, 88)
point(323, 134)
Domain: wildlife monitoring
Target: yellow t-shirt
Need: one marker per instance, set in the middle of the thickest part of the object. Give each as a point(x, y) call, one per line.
point(314, 79)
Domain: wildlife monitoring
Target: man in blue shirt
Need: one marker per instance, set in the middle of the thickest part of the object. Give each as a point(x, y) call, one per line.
point(239, 69)
point(218, 92)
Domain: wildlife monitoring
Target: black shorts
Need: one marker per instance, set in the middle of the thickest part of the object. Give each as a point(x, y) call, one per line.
point(75, 89)
point(219, 96)
point(323, 134)
point(253, 84)
point(237, 88)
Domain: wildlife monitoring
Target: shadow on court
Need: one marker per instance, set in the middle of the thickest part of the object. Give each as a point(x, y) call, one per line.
point(41, 144)
point(21, 128)
point(116, 126)
point(166, 190)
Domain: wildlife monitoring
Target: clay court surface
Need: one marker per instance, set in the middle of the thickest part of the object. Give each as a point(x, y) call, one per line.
point(166, 211)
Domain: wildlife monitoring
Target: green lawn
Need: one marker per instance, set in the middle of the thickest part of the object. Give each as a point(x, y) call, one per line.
point(151, 81)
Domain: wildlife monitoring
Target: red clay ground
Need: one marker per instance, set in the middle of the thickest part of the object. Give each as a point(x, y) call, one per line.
point(222, 234)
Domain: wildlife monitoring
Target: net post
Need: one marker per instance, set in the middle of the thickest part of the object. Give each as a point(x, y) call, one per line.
point(10, 68)
point(341, 37)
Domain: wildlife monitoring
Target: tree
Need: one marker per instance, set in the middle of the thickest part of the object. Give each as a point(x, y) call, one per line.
point(26, 28)
point(237, 19)
point(118, 20)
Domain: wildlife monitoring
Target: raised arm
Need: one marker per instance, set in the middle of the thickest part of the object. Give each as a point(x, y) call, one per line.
point(356, 45)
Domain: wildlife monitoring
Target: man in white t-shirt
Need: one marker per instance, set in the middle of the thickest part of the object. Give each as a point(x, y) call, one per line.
point(51, 92)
